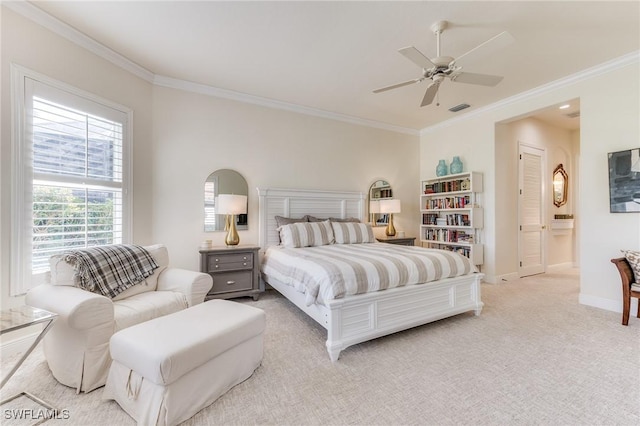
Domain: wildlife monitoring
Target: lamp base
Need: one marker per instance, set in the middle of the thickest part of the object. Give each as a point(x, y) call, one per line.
point(232, 238)
point(391, 230)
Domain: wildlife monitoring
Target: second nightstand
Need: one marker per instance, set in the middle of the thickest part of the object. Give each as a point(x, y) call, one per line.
point(403, 241)
point(234, 270)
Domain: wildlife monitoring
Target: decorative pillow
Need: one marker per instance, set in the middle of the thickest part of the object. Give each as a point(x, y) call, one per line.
point(316, 219)
point(61, 273)
point(333, 219)
point(352, 233)
point(309, 234)
point(346, 219)
point(281, 220)
point(633, 257)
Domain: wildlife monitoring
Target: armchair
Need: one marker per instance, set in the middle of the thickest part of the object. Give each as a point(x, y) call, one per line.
point(629, 289)
point(77, 346)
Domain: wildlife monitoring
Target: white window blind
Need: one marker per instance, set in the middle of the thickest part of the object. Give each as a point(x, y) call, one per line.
point(72, 178)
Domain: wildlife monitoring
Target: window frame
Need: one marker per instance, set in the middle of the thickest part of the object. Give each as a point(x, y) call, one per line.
point(22, 177)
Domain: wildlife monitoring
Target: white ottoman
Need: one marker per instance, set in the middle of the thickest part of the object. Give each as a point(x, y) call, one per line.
point(167, 369)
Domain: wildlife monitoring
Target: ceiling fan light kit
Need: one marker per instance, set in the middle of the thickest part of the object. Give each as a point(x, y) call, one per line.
point(441, 67)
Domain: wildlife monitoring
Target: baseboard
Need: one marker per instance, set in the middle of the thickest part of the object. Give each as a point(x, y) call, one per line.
point(507, 277)
point(560, 267)
point(17, 345)
point(606, 304)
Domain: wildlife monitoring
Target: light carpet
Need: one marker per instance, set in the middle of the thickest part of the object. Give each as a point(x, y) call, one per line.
point(533, 357)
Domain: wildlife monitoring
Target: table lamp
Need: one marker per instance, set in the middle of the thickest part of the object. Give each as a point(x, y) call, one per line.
point(231, 205)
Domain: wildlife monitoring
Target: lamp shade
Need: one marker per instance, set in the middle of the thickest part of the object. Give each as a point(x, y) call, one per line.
point(231, 204)
point(374, 206)
point(390, 206)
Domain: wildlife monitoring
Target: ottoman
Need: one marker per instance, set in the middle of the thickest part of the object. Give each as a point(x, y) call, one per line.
point(167, 369)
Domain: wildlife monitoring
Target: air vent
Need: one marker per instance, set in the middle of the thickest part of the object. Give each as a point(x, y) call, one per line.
point(573, 114)
point(459, 107)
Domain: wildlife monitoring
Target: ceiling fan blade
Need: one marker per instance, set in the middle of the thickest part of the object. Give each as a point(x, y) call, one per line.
point(430, 94)
point(394, 86)
point(415, 56)
point(494, 44)
point(473, 78)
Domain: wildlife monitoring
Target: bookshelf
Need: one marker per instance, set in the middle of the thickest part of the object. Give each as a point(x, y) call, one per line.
point(451, 215)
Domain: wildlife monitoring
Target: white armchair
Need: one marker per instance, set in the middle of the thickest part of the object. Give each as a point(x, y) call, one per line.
point(77, 346)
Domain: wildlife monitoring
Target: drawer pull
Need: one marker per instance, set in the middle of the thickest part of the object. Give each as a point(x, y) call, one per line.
point(231, 282)
point(217, 260)
point(244, 264)
point(244, 258)
point(217, 266)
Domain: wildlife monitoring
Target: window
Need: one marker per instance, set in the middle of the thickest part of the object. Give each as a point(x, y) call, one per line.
point(70, 174)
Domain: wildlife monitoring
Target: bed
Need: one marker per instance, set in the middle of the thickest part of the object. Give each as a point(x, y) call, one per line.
point(354, 317)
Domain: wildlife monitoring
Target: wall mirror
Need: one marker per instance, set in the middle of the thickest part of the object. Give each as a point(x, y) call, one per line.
point(223, 181)
point(379, 190)
point(560, 184)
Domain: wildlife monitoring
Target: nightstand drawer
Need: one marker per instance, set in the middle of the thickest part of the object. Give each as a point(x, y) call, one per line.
point(230, 262)
point(231, 281)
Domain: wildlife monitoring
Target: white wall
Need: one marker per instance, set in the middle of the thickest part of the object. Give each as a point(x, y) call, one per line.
point(196, 134)
point(610, 107)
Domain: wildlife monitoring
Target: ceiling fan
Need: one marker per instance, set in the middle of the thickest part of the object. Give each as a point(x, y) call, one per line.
point(441, 67)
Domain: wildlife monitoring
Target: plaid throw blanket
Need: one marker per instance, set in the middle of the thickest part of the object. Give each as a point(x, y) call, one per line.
point(111, 269)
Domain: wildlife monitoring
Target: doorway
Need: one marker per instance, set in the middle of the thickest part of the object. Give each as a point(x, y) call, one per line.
point(557, 133)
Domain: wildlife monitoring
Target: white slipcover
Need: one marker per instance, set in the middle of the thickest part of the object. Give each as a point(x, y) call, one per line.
point(77, 346)
point(166, 370)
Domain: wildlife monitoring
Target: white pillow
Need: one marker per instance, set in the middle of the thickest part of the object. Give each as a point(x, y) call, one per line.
point(352, 233)
point(61, 273)
point(306, 234)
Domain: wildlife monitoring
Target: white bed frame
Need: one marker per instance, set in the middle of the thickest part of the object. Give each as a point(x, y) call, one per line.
point(358, 318)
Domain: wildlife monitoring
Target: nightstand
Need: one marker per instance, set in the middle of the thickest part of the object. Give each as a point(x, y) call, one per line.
point(234, 270)
point(402, 241)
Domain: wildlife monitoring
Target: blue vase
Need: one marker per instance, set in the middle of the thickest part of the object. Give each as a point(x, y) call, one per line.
point(442, 168)
point(456, 166)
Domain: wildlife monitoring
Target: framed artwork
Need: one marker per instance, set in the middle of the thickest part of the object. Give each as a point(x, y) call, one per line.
point(624, 181)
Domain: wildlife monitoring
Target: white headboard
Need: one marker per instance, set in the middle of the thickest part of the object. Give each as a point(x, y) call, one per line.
point(299, 202)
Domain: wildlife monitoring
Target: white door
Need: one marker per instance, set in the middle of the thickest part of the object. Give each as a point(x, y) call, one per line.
point(531, 211)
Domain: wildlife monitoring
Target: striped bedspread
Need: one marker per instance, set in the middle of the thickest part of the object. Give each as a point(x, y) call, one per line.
point(332, 271)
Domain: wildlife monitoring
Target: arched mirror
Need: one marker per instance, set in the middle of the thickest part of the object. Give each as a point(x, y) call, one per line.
point(223, 181)
point(379, 190)
point(560, 184)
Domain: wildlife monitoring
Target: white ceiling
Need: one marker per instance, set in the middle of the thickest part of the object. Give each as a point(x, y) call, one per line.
point(329, 56)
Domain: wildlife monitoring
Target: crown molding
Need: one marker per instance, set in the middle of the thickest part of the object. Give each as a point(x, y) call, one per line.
point(204, 89)
point(623, 61)
point(37, 15)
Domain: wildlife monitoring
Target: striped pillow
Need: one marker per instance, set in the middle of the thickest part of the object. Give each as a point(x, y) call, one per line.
point(352, 233)
point(633, 257)
point(306, 234)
